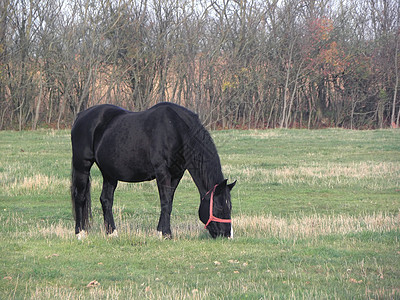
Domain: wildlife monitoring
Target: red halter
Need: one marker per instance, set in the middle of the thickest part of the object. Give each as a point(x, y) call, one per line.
point(212, 218)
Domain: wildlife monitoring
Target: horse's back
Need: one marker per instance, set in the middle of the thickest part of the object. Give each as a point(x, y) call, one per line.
point(179, 112)
point(173, 119)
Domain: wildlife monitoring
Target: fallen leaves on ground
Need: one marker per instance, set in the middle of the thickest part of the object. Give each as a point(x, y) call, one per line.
point(93, 283)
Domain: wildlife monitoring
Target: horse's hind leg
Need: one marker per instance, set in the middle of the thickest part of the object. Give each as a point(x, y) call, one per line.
point(107, 199)
point(81, 201)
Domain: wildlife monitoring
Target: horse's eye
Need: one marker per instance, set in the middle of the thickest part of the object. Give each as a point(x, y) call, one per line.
point(218, 206)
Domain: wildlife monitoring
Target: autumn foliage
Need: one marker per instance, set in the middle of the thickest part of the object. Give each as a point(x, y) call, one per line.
point(246, 64)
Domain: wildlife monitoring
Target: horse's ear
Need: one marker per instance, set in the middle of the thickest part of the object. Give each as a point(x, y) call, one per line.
point(221, 187)
point(230, 186)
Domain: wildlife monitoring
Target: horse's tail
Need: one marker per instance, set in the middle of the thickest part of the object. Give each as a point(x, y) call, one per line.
point(80, 196)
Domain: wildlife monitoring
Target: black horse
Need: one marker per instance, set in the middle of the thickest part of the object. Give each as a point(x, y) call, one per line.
point(159, 143)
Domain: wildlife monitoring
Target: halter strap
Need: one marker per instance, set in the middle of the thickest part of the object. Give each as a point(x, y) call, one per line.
point(212, 218)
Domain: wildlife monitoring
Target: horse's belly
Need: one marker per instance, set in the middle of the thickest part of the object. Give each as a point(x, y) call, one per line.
point(126, 171)
point(124, 163)
point(137, 177)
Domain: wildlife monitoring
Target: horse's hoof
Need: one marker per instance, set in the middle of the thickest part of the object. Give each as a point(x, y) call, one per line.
point(231, 236)
point(166, 236)
point(114, 234)
point(81, 235)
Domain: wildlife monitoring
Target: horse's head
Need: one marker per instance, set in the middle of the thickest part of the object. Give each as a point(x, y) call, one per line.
point(215, 210)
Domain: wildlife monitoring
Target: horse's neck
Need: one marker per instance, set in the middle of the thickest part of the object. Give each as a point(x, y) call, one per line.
point(202, 159)
point(207, 175)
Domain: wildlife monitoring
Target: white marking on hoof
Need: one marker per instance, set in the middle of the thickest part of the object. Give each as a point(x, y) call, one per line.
point(114, 234)
point(160, 236)
point(81, 235)
point(231, 237)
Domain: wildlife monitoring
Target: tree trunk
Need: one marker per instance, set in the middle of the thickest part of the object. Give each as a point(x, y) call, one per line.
point(396, 87)
point(39, 101)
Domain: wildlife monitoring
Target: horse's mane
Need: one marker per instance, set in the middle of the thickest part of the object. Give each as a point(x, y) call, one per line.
point(202, 154)
point(199, 150)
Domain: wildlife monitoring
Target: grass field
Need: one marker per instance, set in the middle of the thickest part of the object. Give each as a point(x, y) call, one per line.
point(316, 215)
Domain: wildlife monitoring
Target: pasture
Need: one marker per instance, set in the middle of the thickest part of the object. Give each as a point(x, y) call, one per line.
point(316, 215)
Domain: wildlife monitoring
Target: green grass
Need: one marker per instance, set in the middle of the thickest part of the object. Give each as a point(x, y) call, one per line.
point(316, 215)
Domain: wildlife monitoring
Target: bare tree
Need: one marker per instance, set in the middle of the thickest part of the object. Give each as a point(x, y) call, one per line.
point(244, 63)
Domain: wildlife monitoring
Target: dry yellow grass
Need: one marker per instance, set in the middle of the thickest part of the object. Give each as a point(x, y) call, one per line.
point(34, 184)
point(314, 225)
point(293, 228)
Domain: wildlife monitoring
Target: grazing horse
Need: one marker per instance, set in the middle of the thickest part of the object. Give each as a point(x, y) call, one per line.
point(159, 143)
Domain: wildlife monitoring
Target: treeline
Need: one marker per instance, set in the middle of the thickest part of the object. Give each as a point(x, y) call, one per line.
point(238, 63)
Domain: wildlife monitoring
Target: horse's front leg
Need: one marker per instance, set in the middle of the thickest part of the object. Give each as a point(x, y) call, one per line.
point(166, 188)
point(107, 199)
point(166, 198)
